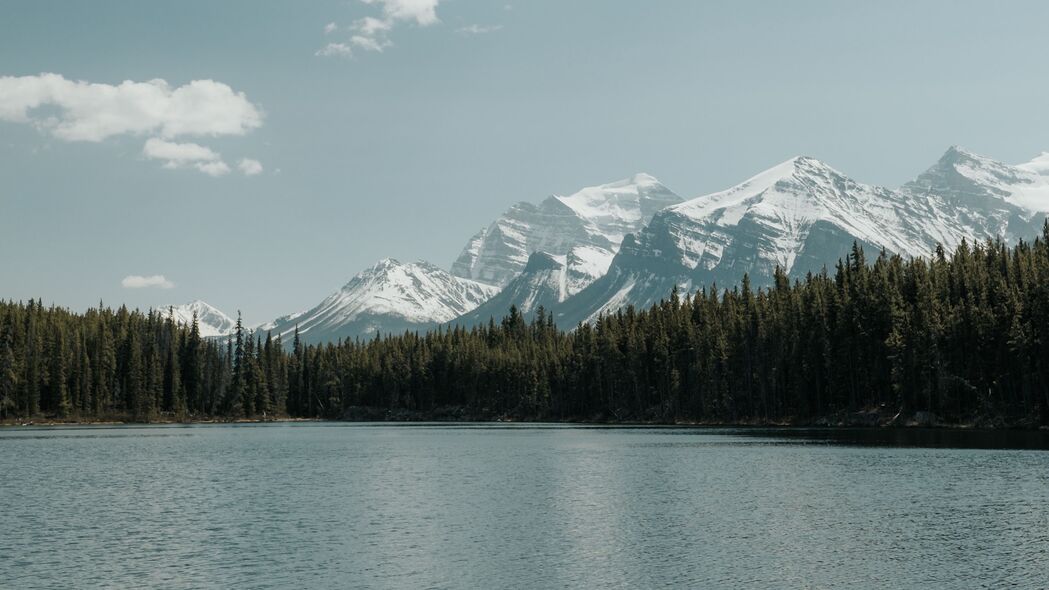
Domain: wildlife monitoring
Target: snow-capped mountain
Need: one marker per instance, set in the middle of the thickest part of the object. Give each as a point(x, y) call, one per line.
point(546, 281)
point(210, 321)
point(630, 242)
point(596, 217)
point(803, 215)
point(1012, 196)
point(389, 297)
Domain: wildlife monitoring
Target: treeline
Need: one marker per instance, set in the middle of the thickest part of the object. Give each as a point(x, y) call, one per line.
point(960, 336)
point(122, 364)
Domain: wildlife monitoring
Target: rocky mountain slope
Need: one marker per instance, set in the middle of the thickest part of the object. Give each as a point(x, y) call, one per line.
point(210, 321)
point(802, 214)
point(389, 297)
point(596, 217)
point(630, 242)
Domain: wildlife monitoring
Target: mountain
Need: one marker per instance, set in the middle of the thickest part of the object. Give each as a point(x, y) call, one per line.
point(389, 297)
point(210, 321)
point(632, 241)
point(996, 198)
point(803, 215)
point(596, 217)
point(546, 281)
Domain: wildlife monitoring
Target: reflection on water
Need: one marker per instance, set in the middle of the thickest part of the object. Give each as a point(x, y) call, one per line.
point(491, 506)
point(912, 437)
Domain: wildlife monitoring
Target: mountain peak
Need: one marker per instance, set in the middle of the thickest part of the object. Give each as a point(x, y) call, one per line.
point(800, 172)
point(640, 179)
point(971, 179)
point(210, 321)
point(957, 154)
point(393, 270)
point(626, 202)
point(387, 263)
point(596, 216)
point(810, 164)
point(389, 296)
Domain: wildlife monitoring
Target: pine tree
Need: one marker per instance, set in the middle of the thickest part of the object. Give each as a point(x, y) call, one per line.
point(152, 392)
point(9, 377)
point(173, 390)
point(58, 400)
point(135, 389)
point(238, 393)
point(193, 369)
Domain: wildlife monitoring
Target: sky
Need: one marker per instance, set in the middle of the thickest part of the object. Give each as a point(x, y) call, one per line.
point(258, 154)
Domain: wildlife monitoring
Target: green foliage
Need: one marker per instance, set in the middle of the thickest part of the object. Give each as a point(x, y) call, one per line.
point(959, 335)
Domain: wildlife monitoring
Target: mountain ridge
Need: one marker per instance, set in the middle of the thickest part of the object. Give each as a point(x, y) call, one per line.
point(630, 242)
point(389, 296)
point(596, 216)
point(211, 322)
point(802, 215)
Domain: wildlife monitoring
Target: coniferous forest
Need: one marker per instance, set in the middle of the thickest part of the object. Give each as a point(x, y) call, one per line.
point(961, 336)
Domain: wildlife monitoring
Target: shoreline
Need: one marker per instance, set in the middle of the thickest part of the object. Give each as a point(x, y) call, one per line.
point(380, 417)
point(6, 423)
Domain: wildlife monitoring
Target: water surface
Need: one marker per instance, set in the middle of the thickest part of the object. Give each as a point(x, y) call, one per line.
point(328, 505)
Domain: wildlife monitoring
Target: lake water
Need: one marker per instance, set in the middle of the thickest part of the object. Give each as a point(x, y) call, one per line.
point(328, 505)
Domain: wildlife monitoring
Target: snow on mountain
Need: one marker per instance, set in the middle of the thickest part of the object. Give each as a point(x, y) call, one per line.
point(630, 242)
point(970, 180)
point(618, 208)
point(389, 297)
point(596, 217)
point(778, 210)
point(1039, 165)
point(584, 265)
point(546, 280)
point(803, 215)
point(543, 282)
point(210, 321)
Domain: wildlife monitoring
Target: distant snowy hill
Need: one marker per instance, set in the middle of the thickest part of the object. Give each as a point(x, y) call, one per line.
point(210, 321)
point(596, 217)
point(389, 297)
point(803, 215)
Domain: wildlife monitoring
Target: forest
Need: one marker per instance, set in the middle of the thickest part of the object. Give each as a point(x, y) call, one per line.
point(962, 336)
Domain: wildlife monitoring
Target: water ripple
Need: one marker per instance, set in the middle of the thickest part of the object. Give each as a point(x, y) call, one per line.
point(322, 506)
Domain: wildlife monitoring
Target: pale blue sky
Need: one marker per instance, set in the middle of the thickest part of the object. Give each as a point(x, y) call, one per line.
point(408, 151)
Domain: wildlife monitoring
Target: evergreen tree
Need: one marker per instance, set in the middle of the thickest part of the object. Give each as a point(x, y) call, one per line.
point(962, 335)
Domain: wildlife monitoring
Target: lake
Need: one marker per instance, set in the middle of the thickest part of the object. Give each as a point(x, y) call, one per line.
point(334, 505)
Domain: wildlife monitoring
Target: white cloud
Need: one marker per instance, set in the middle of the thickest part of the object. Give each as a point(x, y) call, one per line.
point(335, 50)
point(177, 153)
point(372, 26)
point(142, 282)
point(249, 167)
point(330, 28)
point(217, 168)
point(423, 12)
point(180, 155)
point(370, 43)
point(371, 33)
point(478, 29)
point(84, 111)
point(94, 112)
